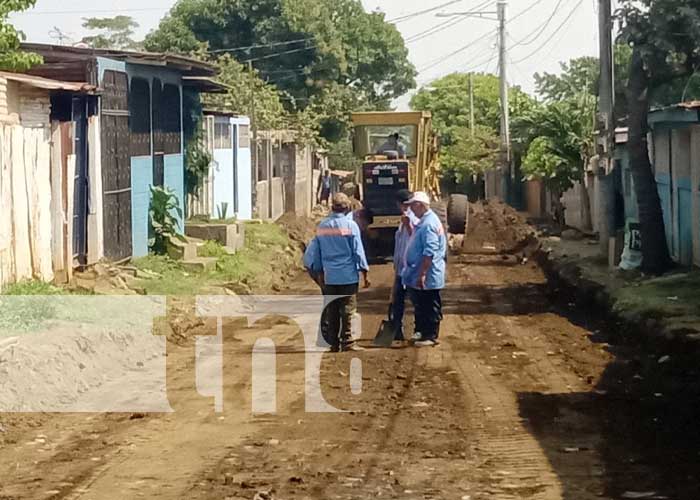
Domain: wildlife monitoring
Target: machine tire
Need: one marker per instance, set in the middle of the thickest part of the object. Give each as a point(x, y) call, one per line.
point(440, 209)
point(458, 214)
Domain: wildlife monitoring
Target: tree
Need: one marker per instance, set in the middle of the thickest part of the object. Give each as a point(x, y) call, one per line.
point(470, 155)
point(116, 33)
point(664, 36)
point(582, 74)
point(11, 57)
point(301, 46)
point(243, 86)
point(558, 143)
point(448, 100)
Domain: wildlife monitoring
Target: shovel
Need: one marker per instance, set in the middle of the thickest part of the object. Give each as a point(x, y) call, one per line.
point(385, 335)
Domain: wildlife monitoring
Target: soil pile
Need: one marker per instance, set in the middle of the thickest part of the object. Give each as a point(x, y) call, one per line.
point(300, 229)
point(495, 227)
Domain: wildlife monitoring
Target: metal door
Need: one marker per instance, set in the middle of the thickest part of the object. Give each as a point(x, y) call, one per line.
point(116, 165)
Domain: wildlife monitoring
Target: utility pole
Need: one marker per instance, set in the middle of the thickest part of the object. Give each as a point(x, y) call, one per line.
point(606, 129)
point(491, 176)
point(505, 110)
point(471, 103)
point(254, 141)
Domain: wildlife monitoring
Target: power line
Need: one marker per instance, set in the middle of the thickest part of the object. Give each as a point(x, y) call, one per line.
point(83, 11)
point(477, 40)
point(435, 29)
point(541, 29)
point(422, 12)
point(559, 28)
point(277, 54)
point(445, 24)
point(262, 45)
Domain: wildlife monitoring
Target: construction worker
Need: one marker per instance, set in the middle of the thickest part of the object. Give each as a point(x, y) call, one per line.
point(424, 273)
point(402, 239)
point(393, 143)
point(337, 259)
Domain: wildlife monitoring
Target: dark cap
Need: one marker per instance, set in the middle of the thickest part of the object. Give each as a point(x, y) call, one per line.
point(403, 195)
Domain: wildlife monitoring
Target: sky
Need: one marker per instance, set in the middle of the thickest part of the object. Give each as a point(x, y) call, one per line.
point(541, 33)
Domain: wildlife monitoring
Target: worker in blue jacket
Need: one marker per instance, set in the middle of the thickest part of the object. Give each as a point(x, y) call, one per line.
point(424, 271)
point(401, 241)
point(335, 259)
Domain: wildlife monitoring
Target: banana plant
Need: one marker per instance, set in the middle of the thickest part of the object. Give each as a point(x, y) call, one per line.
point(165, 215)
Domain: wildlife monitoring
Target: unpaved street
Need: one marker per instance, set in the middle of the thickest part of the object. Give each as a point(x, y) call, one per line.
point(521, 400)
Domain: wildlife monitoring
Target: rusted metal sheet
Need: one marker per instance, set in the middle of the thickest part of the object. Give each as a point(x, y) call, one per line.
point(116, 166)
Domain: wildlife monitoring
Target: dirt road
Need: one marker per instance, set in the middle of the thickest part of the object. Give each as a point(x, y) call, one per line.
point(523, 399)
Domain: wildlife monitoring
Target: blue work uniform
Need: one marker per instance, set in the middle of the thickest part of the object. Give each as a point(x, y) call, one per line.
point(341, 253)
point(428, 240)
point(312, 257)
point(342, 257)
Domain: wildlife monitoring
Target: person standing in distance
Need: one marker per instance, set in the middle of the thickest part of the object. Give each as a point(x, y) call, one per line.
point(424, 272)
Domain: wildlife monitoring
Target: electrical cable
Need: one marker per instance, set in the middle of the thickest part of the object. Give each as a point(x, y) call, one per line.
point(540, 29)
point(406, 17)
point(262, 45)
point(477, 40)
point(559, 28)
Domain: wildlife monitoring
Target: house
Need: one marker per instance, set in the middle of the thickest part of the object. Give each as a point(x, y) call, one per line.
point(47, 136)
point(146, 101)
point(227, 190)
point(286, 174)
point(675, 152)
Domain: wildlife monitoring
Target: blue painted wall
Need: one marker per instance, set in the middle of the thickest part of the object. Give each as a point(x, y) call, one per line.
point(174, 179)
point(663, 184)
point(245, 179)
point(141, 182)
point(684, 211)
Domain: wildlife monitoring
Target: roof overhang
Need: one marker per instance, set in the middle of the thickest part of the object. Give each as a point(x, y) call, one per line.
point(48, 84)
point(205, 84)
point(186, 65)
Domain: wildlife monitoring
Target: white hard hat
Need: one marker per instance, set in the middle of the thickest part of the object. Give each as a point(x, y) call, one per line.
point(420, 197)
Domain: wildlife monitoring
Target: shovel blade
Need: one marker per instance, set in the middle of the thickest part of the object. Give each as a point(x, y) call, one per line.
point(385, 335)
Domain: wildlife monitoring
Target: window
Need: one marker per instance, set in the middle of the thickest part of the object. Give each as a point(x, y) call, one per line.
point(140, 117)
point(222, 135)
point(171, 119)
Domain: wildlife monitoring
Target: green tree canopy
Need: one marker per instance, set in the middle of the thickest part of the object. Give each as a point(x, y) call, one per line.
point(11, 57)
point(269, 111)
point(114, 33)
point(557, 140)
point(301, 46)
point(448, 100)
point(470, 154)
point(582, 74)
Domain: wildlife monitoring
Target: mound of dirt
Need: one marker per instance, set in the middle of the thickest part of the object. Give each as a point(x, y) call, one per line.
point(495, 227)
point(300, 229)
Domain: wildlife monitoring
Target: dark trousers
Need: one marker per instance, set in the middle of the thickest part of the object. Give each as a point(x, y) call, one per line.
point(398, 306)
point(428, 310)
point(336, 320)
